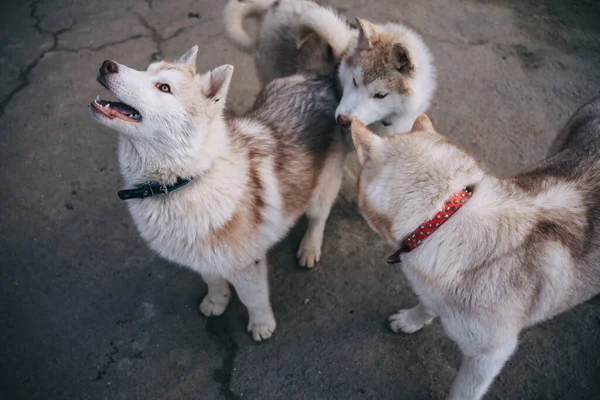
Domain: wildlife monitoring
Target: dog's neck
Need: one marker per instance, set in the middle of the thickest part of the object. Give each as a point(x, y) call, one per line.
point(497, 219)
point(399, 123)
point(142, 161)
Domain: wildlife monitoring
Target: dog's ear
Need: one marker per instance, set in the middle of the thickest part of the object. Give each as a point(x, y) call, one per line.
point(216, 84)
point(422, 123)
point(401, 58)
point(366, 30)
point(365, 141)
point(189, 59)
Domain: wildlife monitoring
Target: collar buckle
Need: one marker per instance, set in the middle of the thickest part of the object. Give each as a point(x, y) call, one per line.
point(151, 189)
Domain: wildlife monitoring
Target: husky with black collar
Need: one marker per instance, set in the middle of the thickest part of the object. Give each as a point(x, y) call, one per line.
point(508, 253)
point(216, 194)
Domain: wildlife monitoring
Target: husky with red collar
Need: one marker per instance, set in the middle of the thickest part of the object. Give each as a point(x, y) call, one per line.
point(216, 194)
point(490, 256)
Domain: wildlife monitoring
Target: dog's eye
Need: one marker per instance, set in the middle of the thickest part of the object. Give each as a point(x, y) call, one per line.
point(354, 81)
point(380, 95)
point(163, 87)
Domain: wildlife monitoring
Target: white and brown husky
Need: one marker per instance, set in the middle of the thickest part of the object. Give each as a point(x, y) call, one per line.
point(490, 256)
point(216, 194)
point(385, 70)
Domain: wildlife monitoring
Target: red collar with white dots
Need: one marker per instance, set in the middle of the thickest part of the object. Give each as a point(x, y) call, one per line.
point(419, 235)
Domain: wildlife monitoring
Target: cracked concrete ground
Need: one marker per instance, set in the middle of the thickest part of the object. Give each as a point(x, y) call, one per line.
point(89, 313)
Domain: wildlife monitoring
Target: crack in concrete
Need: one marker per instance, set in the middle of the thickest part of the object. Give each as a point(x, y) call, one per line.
point(111, 360)
point(103, 45)
point(25, 72)
point(157, 38)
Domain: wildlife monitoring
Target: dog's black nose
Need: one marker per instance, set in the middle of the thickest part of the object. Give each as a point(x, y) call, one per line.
point(343, 121)
point(109, 67)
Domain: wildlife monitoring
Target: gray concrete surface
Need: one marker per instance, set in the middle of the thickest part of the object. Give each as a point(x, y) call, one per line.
point(89, 313)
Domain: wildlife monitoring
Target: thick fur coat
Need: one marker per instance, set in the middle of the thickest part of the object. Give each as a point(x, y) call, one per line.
point(254, 176)
point(521, 250)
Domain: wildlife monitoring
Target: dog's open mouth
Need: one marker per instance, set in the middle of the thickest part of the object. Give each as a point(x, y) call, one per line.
point(116, 109)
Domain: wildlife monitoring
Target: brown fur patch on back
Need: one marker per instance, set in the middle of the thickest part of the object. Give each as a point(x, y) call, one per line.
point(529, 278)
point(299, 114)
point(256, 186)
point(297, 169)
point(247, 218)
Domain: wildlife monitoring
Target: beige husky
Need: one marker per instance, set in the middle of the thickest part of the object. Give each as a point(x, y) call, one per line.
point(216, 194)
point(490, 256)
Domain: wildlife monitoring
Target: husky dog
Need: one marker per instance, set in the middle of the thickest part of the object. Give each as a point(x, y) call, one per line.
point(231, 188)
point(512, 252)
point(387, 78)
point(386, 70)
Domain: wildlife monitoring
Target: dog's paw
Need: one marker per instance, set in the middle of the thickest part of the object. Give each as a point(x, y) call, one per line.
point(407, 322)
point(309, 256)
point(262, 328)
point(211, 307)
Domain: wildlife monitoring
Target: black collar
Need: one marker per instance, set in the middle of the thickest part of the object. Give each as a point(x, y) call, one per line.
point(153, 189)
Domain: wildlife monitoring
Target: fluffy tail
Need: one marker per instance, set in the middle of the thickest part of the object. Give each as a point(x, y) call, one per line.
point(329, 25)
point(234, 15)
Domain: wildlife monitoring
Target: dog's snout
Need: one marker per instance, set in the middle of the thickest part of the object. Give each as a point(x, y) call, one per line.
point(343, 121)
point(109, 67)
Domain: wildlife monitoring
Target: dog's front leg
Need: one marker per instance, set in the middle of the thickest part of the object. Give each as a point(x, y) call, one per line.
point(217, 298)
point(411, 320)
point(478, 371)
point(319, 207)
point(252, 287)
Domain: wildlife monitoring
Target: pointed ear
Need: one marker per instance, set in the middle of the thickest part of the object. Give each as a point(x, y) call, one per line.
point(365, 141)
point(366, 30)
point(189, 59)
point(422, 123)
point(217, 83)
point(401, 58)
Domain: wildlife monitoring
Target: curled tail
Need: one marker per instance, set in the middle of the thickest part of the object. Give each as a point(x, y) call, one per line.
point(234, 15)
point(327, 24)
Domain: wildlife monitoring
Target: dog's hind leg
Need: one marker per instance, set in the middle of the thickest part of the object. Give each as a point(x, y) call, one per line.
point(478, 371)
point(318, 210)
point(217, 298)
point(411, 320)
point(252, 287)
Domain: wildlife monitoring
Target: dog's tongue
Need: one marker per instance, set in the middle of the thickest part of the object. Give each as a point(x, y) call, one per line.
point(118, 106)
point(123, 108)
